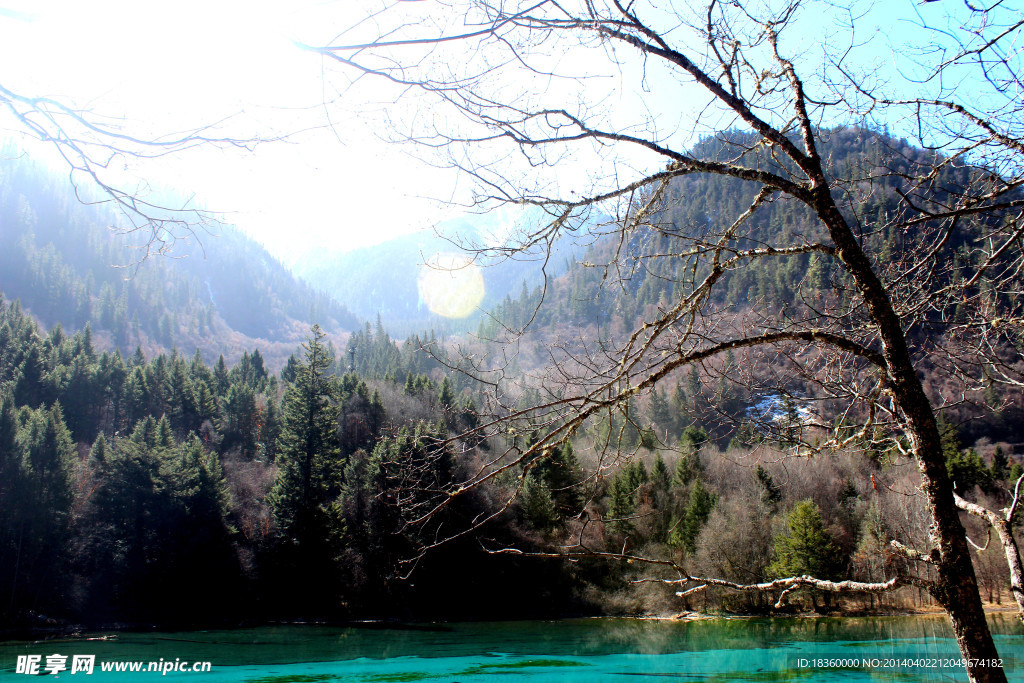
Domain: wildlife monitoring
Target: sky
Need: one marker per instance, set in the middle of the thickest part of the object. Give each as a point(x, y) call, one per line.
point(172, 66)
point(333, 182)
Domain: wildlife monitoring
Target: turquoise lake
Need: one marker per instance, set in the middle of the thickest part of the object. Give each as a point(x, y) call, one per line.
point(583, 650)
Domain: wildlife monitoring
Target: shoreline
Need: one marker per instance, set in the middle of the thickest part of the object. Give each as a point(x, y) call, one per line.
point(90, 632)
point(908, 612)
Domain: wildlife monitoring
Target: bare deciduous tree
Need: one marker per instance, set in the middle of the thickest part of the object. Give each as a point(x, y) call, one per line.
point(93, 146)
point(1003, 525)
point(929, 280)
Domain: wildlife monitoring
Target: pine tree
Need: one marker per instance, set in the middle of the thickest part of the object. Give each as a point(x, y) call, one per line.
point(1016, 472)
point(659, 474)
point(238, 421)
point(873, 544)
point(270, 430)
point(201, 486)
point(661, 412)
point(221, 380)
point(1000, 464)
point(14, 504)
point(164, 433)
point(206, 404)
point(698, 508)
point(693, 439)
point(560, 471)
point(145, 432)
point(49, 457)
point(967, 470)
point(809, 548)
point(817, 277)
point(694, 389)
point(469, 416)
point(771, 493)
point(29, 389)
point(197, 368)
point(538, 505)
point(136, 396)
point(98, 453)
point(406, 476)
point(636, 475)
point(42, 519)
point(87, 349)
point(376, 415)
point(290, 370)
point(309, 454)
point(621, 504)
point(446, 396)
point(950, 438)
point(678, 407)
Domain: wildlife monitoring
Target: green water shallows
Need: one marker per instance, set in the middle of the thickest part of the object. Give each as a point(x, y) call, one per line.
point(584, 651)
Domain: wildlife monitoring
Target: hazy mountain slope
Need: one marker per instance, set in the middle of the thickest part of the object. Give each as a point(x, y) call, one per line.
point(383, 279)
point(59, 258)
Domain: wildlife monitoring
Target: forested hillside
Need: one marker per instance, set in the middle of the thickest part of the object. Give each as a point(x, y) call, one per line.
point(167, 490)
point(157, 487)
point(218, 290)
point(694, 206)
point(627, 278)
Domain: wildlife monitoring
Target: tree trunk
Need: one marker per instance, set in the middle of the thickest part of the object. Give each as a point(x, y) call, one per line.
point(956, 587)
point(1004, 529)
point(1012, 551)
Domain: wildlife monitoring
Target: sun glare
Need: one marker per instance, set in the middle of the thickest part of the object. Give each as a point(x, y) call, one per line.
point(451, 285)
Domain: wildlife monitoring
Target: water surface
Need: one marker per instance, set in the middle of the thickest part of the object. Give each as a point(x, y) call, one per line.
point(584, 651)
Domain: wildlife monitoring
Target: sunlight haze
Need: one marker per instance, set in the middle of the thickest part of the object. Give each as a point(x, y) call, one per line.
point(326, 176)
point(166, 68)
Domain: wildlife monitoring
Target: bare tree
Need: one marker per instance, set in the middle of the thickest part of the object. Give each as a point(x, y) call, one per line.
point(93, 145)
point(929, 281)
point(981, 318)
point(1003, 525)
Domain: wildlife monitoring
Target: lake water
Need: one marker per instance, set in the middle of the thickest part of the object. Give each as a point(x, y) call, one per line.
point(584, 650)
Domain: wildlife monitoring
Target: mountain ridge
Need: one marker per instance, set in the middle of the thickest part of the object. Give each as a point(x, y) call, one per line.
point(223, 295)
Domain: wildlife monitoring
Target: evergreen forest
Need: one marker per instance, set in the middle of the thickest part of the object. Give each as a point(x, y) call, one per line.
point(142, 484)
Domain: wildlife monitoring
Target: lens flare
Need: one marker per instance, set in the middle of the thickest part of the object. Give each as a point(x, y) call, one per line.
point(451, 285)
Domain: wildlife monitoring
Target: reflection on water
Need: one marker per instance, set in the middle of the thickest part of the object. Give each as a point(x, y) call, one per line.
point(586, 650)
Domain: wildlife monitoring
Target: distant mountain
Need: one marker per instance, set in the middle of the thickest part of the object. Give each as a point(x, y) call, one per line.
point(630, 278)
point(389, 279)
point(618, 279)
point(221, 293)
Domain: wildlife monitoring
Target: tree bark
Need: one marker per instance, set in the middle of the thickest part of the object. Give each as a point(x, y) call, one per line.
point(956, 586)
point(1013, 560)
point(1004, 529)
